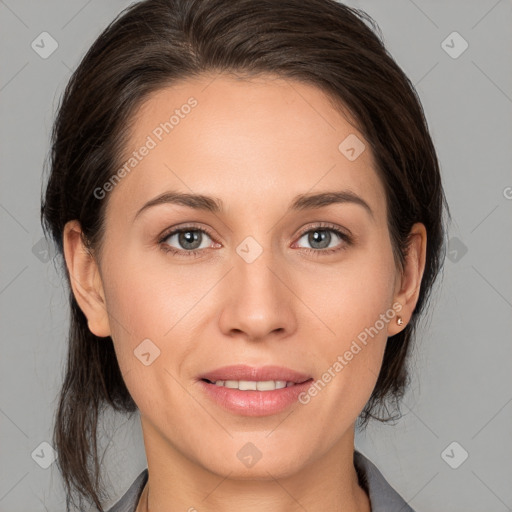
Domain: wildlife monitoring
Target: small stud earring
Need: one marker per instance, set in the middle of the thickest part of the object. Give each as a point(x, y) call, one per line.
point(399, 320)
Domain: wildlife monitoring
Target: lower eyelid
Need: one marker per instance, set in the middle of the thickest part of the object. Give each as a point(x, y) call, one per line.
point(181, 230)
point(345, 240)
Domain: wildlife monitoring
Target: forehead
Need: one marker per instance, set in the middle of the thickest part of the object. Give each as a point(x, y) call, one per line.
point(249, 141)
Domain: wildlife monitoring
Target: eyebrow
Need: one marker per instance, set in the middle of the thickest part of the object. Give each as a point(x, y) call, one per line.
point(299, 203)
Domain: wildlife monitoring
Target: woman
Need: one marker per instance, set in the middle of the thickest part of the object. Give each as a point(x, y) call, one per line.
point(250, 212)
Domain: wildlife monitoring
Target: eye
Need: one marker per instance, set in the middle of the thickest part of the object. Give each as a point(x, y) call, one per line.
point(322, 240)
point(190, 240)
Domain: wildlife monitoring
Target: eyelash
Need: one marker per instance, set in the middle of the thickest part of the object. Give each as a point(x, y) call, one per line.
point(322, 226)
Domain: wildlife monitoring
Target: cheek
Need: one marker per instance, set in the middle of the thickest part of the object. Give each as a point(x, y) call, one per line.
point(355, 306)
point(351, 297)
point(145, 308)
point(147, 296)
point(138, 309)
point(148, 299)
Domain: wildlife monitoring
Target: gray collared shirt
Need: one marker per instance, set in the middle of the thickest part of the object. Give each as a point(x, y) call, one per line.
point(383, 498)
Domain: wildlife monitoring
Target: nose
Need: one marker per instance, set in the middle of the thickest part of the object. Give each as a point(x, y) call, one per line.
point(260, 303)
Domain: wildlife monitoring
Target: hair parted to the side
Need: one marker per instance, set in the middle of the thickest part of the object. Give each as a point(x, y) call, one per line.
point(153, 44)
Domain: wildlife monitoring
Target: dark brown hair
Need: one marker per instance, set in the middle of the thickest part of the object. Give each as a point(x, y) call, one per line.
point(153, 44)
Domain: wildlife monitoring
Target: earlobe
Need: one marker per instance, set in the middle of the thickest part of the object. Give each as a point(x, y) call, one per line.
point(85, 280)
point(409, 283)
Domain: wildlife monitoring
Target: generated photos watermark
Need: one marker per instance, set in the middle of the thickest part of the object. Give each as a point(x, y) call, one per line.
point(152, 140)
point(348, 355)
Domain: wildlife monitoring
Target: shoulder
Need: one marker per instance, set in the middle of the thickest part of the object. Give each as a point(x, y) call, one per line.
point(130, 498)
point(383, 498)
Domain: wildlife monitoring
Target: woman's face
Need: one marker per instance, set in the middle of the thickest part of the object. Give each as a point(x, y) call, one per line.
point(268, 284)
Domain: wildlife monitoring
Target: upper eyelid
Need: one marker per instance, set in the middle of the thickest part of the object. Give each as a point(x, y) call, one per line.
point(174, 231)
point(318, 225)
point(324, 225)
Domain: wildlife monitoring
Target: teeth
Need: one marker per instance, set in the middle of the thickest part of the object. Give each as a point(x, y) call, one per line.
point(252, 385)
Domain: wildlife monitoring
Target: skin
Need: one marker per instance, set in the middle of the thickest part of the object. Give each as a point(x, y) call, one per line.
point(255, 144)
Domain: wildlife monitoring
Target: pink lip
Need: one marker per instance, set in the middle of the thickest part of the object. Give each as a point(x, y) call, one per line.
point(244, 372)
point(254, 403)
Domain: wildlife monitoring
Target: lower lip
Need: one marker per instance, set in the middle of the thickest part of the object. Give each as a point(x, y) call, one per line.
point(254, 403)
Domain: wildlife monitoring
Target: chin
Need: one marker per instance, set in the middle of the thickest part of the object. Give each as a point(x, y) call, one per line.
point(258, 458)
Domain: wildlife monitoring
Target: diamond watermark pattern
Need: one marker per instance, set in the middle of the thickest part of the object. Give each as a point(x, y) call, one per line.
point(454, 455)
point(249, 454)
point(147, 352)
point(43, 251)
point(351, 147)
point(249, 249)
point(456, 249)
point(44, 45)
point(44, 455)
point(454, 45)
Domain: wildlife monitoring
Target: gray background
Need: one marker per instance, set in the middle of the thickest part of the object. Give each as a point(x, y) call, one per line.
point(461, 388)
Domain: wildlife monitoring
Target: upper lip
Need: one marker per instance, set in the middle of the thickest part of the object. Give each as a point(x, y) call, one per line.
point(251, 373)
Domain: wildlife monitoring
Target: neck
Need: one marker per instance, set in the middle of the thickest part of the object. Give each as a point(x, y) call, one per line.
point(178, 483)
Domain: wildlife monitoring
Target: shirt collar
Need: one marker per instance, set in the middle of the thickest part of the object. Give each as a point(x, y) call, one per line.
point(383, 498)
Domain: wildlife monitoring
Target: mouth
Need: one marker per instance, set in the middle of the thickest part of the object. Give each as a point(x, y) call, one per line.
point(255, 385)
point(251, 378)
point(250, 391)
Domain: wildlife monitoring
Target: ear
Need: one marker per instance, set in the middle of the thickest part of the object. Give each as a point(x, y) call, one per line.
point(85, 279)
point(407, 286)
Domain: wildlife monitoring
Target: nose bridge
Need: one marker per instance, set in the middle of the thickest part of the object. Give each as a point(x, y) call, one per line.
point(254, 251)
point(259, 302)
point(254, 270)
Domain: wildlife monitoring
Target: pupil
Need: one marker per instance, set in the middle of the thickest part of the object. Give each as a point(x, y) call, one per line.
point(189, 237)
point(320, 236)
